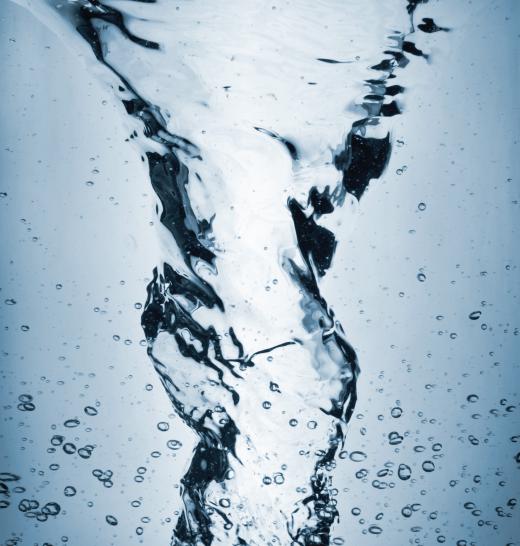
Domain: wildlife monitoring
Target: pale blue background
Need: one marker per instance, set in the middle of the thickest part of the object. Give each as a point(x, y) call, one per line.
point(460, 134)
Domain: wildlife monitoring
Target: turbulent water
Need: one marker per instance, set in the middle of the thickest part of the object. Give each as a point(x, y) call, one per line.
point(262, 125)
point(261, 134)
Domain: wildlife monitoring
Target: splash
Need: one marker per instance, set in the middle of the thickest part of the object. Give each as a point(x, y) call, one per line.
point(259, 150)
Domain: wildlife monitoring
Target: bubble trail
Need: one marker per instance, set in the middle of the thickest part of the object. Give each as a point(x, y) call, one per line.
point(254, 136)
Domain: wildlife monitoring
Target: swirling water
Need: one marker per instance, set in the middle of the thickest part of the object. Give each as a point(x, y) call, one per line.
point(261, 127)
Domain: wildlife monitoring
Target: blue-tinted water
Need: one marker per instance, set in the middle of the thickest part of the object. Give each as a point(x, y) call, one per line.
point(216, 216)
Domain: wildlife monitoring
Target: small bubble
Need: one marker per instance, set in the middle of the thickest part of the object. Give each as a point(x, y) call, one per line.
point(225, 503)
point(394, 438)
point(85, 452)
point(89, 410)
point(57, 440)
point(24, 328)
point(174, 444)
point(428, 466)
point(361, 473)
point(375, 529)
point(357, 456)
point(111, 520)
point(51, 509)
point(421, 277)
point(71, 423)
point(279, 478)
point(26, 505)
point(404, 472)
point(26, 406)
point(475, 315)
point(293, 422)
point(407, 511)
point(163, 426)
point(421, 206)
point(69, 491)
point(396, 412)
point(69, 448)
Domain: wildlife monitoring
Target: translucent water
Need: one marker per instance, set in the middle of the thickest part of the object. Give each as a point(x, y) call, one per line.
point(282, 155)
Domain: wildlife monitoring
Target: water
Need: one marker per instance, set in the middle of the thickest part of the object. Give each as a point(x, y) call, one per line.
point(273, 148)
